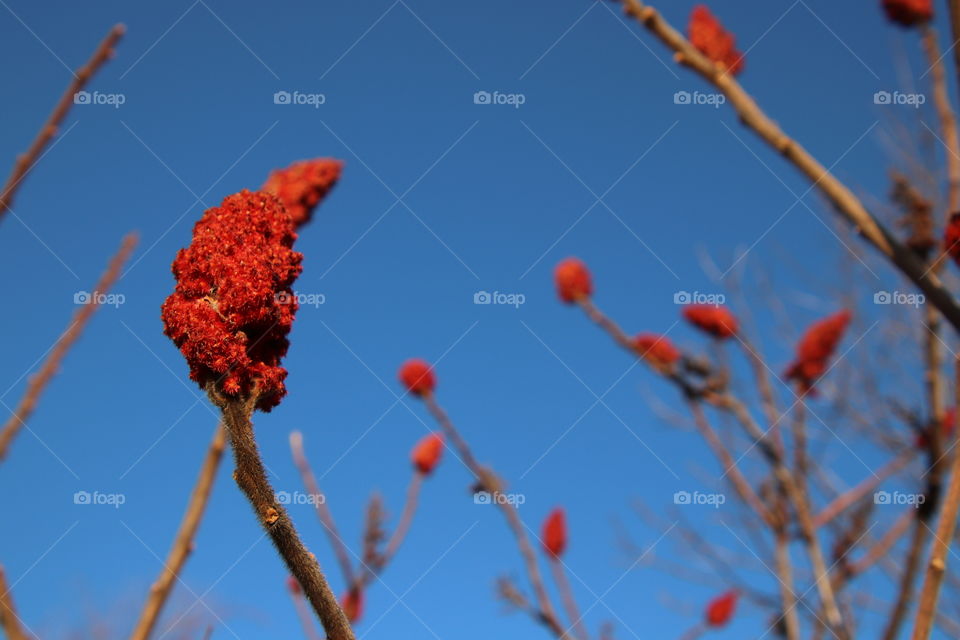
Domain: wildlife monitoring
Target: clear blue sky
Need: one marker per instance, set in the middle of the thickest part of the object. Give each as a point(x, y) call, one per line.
point(440, 198)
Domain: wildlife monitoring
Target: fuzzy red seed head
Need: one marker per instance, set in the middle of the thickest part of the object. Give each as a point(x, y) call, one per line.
point(718, 321)
point(427, 453)
point(721, 609)
point(417, 376)
point(573, 280)
point(816, 347)
point(303, 185)
point(656, 349)
point(909, 13)
point(232, 307)
point(352, 604)
point(947, 426)
point(951, 238)
point(554, 534)
point(712, 40)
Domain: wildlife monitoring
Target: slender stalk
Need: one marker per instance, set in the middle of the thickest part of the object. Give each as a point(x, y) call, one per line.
point(54, 359)
point(490, 482)
point(569, 601)
point(251, 477)
point(406, 517)
point(26, 161)
point(183, 543)
point(323, 510)
point(937, 564)
point(948, 121)
point(9, 621)
point(850, 497)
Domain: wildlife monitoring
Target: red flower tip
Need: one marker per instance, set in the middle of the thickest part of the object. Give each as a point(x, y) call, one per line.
point(417, 376)
point(303, 185)
point(573, 280)
point(427, 453)
point(712, 40)
point(951, 238)
point(232, 307)
point(909, 13)
point(293, 586)
point(352, 604)
point(815, 349)
point(718, 321)
point(555, 533)
point(656, 349)
point(721, 609)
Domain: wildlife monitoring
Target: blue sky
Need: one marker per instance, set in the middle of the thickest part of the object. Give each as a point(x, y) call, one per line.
point(441, 198)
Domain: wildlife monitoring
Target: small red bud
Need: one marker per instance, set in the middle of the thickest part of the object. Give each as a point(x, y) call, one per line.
point(427, 453)
point(656, 349)
point(718, 321)
point(721, 609)
point(555, 533)
point(712, 40)
point(573, 280)
point(417, 376)
point(352, 604)
point(908, 13)
point(293, 586)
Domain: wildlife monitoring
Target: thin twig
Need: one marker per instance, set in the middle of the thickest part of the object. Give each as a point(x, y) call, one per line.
point(9, 621)
point(26, 161)
point(251, 477)
point(937, 565)
point(568, 599)
point(51, 365)
point(403, 526)
point(491, 483)
point(842, 502)
point(323, 510)
point(183, 543)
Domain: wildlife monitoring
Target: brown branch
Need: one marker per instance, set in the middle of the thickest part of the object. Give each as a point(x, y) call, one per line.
point(937, 565)
point(566, 595)
point(26, 161)
point(842, 502)
point(490, 482)
point(303, 611)
point(948, 121)
point(323, 510)
point(9, 621)
point(843, 199)
point(183, 543)
point(51, 365)
point(251, 477)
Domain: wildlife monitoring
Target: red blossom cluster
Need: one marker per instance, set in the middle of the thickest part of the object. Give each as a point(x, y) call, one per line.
point(909, 13)
point(718, 321)
point(656, 349)
point(232, 307)
point(417, 376)
point(721, 609)
point(951, 238)
point(573, 280)
point(815, 349)
point(554, 534)
point(712, 40)
point(426, 455)
point(303, 185)
point(947, 426)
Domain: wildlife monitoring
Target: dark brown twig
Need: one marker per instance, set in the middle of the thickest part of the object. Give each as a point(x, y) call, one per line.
point(29, 158)
point(251, 477)
point(51, 365)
